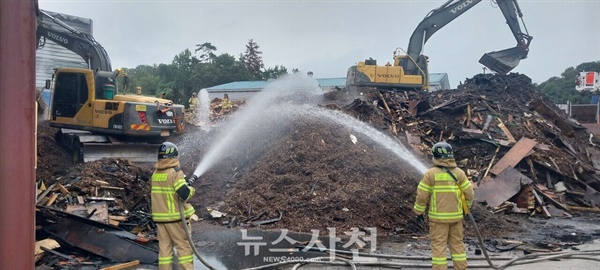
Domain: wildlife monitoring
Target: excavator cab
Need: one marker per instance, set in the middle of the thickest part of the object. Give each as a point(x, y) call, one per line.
point(504, 61)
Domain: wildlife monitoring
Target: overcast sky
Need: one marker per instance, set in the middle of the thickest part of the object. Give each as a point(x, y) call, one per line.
point(327, 37)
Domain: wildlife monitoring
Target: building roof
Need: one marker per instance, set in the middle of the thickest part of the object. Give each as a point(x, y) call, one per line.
point(240, 85)
point(324, 82)
point(332, 82)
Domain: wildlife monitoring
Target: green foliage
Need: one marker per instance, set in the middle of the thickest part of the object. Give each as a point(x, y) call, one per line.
point(190, 72)
point(206, 50)
point(562, 89)
point(274, 73)
point(253, 60)
point(187, 74)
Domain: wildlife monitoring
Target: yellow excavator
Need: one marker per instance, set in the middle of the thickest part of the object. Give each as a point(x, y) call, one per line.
point(410, 71)
point(96, 121)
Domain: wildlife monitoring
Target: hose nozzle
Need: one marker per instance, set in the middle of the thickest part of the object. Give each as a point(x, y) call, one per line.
point(192, 179)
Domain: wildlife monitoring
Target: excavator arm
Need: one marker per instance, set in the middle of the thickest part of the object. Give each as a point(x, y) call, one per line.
point(501, 62)
point(76, 41)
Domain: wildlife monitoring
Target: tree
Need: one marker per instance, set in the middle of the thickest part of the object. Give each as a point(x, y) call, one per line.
point(206, 50)
point(562, 89)
point(274, 73)
point(253, 59)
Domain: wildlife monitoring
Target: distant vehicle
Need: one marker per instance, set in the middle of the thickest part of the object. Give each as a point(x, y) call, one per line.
point(410, 71)
point(95, 120)
point(587, 81)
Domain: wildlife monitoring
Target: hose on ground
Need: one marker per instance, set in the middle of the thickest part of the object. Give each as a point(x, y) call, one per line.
point(189, 237)
point(320, 259)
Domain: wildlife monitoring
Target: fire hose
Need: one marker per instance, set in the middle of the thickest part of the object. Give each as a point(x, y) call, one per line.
point(187, 230)
point(189, 237)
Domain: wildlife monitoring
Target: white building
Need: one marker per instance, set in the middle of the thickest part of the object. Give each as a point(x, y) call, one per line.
point(51, 55)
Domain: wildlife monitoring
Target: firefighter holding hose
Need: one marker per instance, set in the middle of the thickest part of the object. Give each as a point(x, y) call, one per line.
point(446, 189)
point(169, 189)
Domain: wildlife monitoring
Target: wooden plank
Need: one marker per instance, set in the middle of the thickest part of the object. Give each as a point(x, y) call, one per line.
point(62, 189)
point(48, 243)
point(506, 131)
point(45, 193)
point(414, 141)
point(123, 266)
point(514, 155)
point(472, 130)
point(118, 218)
point(555, 202)
point(113, 222)
point(584, 209)
point(503, 187)
point(80, 200)
point(51, 199)
point(492, 161)
point(541, 202)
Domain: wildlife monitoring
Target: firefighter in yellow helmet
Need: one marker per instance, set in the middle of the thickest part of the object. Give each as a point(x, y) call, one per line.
point(193, 101)
point(226, 104)
point(441, 189)
point(169, 189)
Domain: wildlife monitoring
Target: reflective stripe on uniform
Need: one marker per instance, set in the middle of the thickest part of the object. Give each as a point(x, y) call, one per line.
point(459, 257)
point(159, 177)
point(163, 190)
point(439, 260)
point(186, 259)
point(443, 177)
point(168, 194)
point(420, 208)
point(465, 185)
point(444, 189)
point(425, 187)
point(451, 215)
point(179, 183)
point(165, 260)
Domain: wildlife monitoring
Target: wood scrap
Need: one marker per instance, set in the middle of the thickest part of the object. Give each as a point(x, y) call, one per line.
point(123, 266)
point(540, 202)
point(45, 193)
point(506, 131)
point(48, 243)
point(514, 155)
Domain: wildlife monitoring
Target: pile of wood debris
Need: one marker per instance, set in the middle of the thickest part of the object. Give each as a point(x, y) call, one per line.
point(520, 149)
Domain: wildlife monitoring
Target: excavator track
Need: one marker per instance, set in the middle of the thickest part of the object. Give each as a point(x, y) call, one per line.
point(85, 146)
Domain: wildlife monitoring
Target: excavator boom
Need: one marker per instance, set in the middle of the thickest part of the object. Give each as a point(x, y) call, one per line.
point(410, 71)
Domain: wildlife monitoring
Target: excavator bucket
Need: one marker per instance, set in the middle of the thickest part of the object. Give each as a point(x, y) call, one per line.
point(504, 61)
point(136, 152)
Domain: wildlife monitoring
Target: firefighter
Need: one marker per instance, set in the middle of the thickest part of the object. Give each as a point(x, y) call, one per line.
point(193, 102)
point(169, 189)
point(442, 192)
point(226, 104)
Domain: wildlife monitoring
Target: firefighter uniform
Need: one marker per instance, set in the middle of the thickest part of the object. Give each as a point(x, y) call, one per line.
point(439, 189)
point(193, 101)
point(169, 188)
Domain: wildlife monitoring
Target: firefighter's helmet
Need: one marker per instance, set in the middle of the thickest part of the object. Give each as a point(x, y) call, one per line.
point(442, 150)
point(168, 150)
